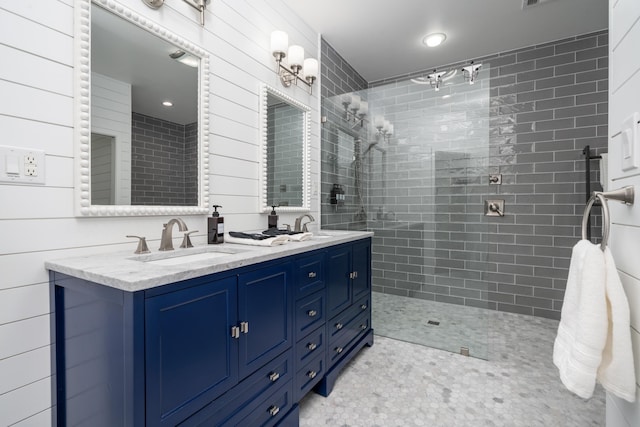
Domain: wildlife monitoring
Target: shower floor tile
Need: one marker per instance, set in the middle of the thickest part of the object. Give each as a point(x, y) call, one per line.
point(399, 383)
point(451, 327)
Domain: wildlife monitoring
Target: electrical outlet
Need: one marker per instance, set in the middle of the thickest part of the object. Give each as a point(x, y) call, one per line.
point(22, 165)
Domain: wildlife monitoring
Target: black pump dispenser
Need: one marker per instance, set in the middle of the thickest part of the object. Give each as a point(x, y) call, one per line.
point(273, 217)
point(215, 233)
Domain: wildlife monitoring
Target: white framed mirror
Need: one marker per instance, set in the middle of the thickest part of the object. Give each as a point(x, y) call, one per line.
point(135, 154)
point(285, 152)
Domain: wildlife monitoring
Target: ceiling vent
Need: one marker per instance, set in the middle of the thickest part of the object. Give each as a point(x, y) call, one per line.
point(526, 4)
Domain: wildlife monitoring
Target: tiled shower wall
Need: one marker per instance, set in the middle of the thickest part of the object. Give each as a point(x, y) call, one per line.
point(546, 103)
point(284, 124)
point(162, 162)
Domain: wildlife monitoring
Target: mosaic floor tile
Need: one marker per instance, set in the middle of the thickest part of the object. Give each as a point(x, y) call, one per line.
point(399, 383)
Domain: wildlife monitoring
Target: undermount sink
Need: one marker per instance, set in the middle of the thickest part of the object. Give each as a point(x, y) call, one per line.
point(185, 256)
point(183, 259)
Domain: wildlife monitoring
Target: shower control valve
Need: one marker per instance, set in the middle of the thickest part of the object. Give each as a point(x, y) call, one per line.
point(494, 207)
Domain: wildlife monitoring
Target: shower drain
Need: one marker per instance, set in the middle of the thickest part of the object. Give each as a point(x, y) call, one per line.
point(433, 322)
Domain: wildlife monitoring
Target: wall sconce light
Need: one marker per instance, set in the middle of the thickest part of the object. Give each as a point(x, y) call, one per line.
point(435, 79)
point(200, 6)
point(355, 109)
point(470, 72)
point(185, 58)
point(384, 127)
point(299, 69)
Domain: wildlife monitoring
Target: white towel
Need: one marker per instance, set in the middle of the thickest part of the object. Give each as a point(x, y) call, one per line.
point(271, 241)
point(301, 237)
point(616, 373)
point(587, 346)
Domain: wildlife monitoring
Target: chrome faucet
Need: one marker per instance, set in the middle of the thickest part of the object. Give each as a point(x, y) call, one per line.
point(166, 242)
point(297, 225)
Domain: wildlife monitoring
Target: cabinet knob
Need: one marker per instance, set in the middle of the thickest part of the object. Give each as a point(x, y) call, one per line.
point(363, 306)
point(339, 350)
point(273, 376)
point(312, 374)
point(273, 410)
point(312, 346)
point(339, 325)
point(363, 327)
point(312, 313)
point(312, 274)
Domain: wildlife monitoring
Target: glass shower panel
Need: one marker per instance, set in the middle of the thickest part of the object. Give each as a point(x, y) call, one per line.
point(420, 178)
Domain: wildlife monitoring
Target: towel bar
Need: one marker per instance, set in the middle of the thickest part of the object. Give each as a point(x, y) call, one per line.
point(625, 195)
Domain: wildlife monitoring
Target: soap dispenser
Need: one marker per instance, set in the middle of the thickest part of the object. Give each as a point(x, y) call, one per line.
point(273, 218)
point(215, 227)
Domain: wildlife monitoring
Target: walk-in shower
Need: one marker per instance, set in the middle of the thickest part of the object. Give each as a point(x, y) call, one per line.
point(415, 171)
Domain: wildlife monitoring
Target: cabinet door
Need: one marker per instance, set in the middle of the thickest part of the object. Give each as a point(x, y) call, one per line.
point(338, 279)
point(362, 269)
point(265, 315)
point(190, 355)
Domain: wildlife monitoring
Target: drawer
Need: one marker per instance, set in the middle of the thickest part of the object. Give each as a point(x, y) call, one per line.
point(349, 336)
point(339, 324)
point(263, 381)
point(310, 313)
point(308, 376)
point(309, 274)
point(267, 411)
point(310, 346)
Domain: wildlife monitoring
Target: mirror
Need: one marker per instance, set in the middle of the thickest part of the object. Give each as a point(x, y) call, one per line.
point(285, 166)
point(136, 155)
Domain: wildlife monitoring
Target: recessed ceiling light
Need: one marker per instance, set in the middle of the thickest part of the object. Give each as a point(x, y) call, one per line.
point(435, 39)
point(167, 103)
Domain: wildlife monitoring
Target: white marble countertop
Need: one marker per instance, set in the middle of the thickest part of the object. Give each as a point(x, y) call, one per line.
point(129, 272)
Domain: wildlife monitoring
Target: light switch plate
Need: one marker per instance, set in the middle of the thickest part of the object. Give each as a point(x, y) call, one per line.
point(630, 138)
point(21, 165)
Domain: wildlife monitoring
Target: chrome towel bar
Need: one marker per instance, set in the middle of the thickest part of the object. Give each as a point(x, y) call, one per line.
point(625, 195)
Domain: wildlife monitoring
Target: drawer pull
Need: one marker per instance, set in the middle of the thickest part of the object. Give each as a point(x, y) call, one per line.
point(312, 313)
point(312, 274)
point(244, 327)
point(353, 275)
point(273, 376)
point(312, 374)
point(363, 306)
point(273, 410)
point(339, 350)
point(235, 332)
point(312, 346)
point(363, 327)
point(339, 325)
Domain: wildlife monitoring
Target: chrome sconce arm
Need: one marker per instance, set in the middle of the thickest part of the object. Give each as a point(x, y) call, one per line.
point(199, 5)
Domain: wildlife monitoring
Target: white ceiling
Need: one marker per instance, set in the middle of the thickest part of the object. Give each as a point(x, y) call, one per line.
point(383, 38)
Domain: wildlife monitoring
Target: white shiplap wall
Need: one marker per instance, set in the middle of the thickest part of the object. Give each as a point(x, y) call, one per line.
point(36, 111)
point(624, 99)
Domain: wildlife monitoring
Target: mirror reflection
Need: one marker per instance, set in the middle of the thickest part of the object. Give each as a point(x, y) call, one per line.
point(285, 139)
point(144, 116)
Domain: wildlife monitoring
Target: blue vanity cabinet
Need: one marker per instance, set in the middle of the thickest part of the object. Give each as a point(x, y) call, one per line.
point(310, 322)
point(348, 307)
point(191, 355)
point(237, 347)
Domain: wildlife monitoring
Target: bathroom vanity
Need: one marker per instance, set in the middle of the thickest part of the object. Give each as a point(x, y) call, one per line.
point(216, 335)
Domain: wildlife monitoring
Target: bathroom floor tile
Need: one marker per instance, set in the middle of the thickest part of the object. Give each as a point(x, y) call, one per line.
point(399, 383)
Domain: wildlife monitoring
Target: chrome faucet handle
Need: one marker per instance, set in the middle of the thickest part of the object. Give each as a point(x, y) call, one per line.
point(288, 226)
point(186, 240)
point(304, 227)
point(142, 245)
